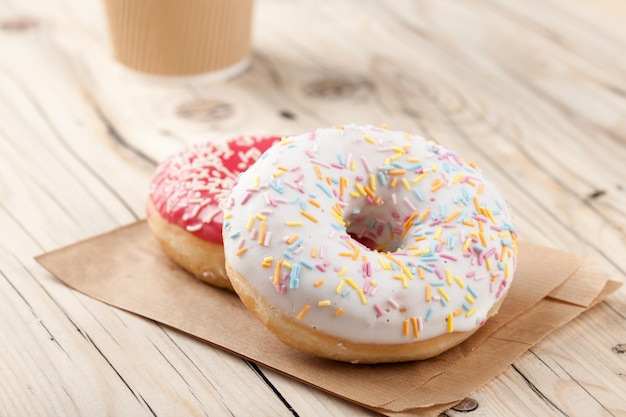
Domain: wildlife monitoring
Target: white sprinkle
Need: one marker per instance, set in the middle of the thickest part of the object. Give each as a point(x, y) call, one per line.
point(194, 228)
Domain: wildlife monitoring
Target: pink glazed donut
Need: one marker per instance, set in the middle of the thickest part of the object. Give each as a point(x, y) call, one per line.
point(184, 207)
point(363, 244)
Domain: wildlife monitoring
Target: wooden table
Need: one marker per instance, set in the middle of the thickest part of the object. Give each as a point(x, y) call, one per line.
point(534, 92)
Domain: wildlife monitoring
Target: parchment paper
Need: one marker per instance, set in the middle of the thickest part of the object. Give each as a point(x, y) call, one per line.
point(126, 268)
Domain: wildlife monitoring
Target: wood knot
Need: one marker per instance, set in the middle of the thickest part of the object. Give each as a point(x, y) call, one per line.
point(466, 405)
point(335, 87)
point(619, 348)
point(20, 24)
point(596, 194)
point(202, 110)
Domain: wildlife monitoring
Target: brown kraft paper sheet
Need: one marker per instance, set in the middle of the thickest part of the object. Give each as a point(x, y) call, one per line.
point(126, 268)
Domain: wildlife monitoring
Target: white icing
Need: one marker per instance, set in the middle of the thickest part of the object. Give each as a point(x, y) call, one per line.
point(323, 249)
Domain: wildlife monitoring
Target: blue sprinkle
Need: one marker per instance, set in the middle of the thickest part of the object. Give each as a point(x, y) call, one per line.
point(345, 293)
point(429, 314)
point(303, 204)
point(382, 179)
point(295, 244)
point(338, 227)
point(462, 216)
point(288, 255)
point(443, 301)
point(418, 194)
point(414, 167)
point(506, 241)
point(234, 235)
point(226, 225)
point(442, 210)
point(334, 180)
point(276, 187)
point(321, 187)
point(467, 307)
point(312, 196)
point(471, 291)
point(500, 266)
point(342, 160)
point(451, 242)
point(446, 166)
point(433, 246)
point(294, 199)
point(306, 264)
point(426, 268)
point(397, 165)
point(387, 168)
point(294, 277)
point(437, 283)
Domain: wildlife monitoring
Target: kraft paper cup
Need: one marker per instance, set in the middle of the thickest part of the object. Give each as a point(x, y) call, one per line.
point(181, 37)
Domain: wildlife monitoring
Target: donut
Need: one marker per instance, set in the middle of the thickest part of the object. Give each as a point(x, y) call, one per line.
point(185, 196)
point(366, 245)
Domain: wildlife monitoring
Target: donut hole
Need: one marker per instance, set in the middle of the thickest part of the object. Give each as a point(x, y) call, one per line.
point(372, 228)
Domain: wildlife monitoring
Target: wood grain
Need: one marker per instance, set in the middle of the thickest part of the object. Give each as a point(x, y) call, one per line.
point(531, 91)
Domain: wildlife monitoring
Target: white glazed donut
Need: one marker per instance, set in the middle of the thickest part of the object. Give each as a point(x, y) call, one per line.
point(368, 245)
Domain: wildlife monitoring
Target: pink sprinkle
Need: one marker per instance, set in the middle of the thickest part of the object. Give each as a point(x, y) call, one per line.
point(375, 290)
point(379, 311)
point(283, 289)
point(320, 267)
point(394, 199)
point(480, 219)
point(438, 273)
point(322, 164)
point(396, 215)
point(322, 251)
point(409, 204)
point(298, 250)
point(296, 168)
point(299, 178)
point(496, 228)
point(393, 303)
point(309, 153)
point(366, 287)
point(241, 243)
point(253, 234)
point(246, 198)
point(420, 324)
point(348, 159)
point(268, 236)
point(366, 164)
point(370, 200)
point(466, 254)
point(488, 253)
point(336, 165)
point(450, 257)
point(439, 247)
point(470, 274)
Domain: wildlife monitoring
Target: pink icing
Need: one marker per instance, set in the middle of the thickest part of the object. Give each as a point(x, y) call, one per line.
point(190, 187)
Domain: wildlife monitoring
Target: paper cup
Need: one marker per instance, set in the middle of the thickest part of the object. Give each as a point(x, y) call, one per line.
point(181, 37)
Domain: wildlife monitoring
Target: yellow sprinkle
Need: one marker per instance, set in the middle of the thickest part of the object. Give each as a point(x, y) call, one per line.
point(506, 270)
point(482, 238)
point(438, 233)
point(458, 178)
point(228, 216)
point(339, 311)
point(323, 303)
point(396, 171)
point(476, 204)
point(428, 293)
point(369, 192)
point(318, 283)
point(479, 191)
point(458, 312)
point(308, 216)
point(467, 243)
point(488, 263)
point(352, 168)
point(303, 312)
point(405, 283)
point(292, 239)
point(360, 189)
point(419, 177)
point(372, 182)
point(469, 299)
point(396, 156)
point(373, 282)
point(278, 174)
point(268, 259)
point(356, 254)
point(292, 223)
point(370, 140)
point(420, 271)
point(282, 168)
point(405, 327)
point(443, 294)
point(434, 167)
point(351, 283)
point(458, 281)
point(345, 254)
point(354, 194)
point(256, 181)
point(424, 215)
point(277, 272)
point(314, 203)
point(452, 216)
point(259, 216)
point(393, 182)
point(250, 222)
point(448, 277)
point(329, 181)
point(406, 184)
point(286, 264)
point(450, 323)
point(343, 271)
point(339, 287)
point(437, 187)
point(262, 232)
point(241, 251)
point(416, 329)
point(318, 172)
point(362, 296)
point(470, 313)
point(490, 215)
point(313, 253)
